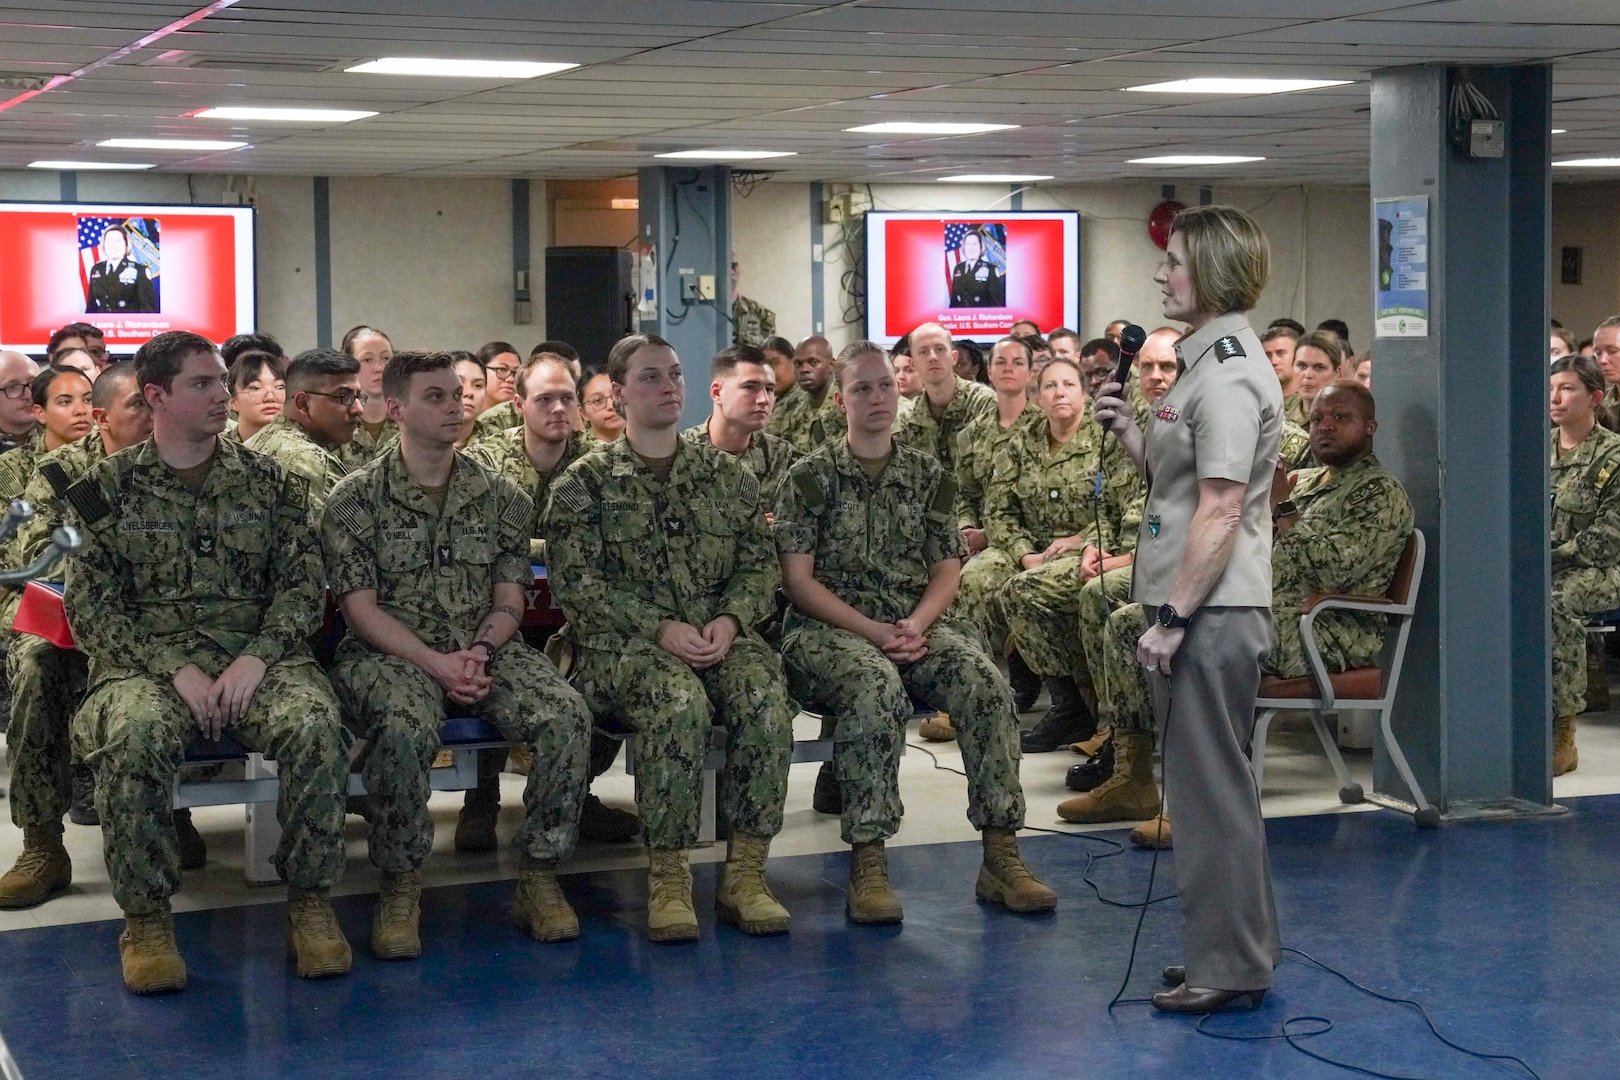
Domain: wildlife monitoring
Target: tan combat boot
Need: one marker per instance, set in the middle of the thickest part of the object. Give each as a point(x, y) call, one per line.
point(937, 728)
point(870, 900)
point(1565, 756)
point(149, 954)
point(1093, 746)
point(314, 940)
point(744, 899)
point(42, 869)
point(539, 908)
point(670, 916)
point(395, 931)
point(1129, 795)
point(1153, 834)
point(1005, 880)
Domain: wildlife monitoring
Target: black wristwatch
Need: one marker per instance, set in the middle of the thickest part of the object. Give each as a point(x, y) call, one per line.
point(1171, 619)
point(1286, 508)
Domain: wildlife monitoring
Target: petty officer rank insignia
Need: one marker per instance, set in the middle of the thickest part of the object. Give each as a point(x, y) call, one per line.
point(1169, 414)
point(1153, 525)
point(205, 544)
point(674, 527)
point(1227, 348)
point(444, 554)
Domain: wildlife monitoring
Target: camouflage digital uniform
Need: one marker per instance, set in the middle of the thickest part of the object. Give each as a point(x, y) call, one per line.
point(805, 424)
point(1294, 447)
point(752, 323)
point(11, 442)
point(296, 450)
point(1038, 494)
point(1109, 623)
point(937, 437)
point(366, 447)
point(1352, 527)
point(496, 419)
point(983, 574)
point(17, 467)
point(505, 454)
point(1585, 555)
point(166, 579)
point(767, 458)
point(47, 682)
point(874, 542)
point(1294, 411)
point(628, 552)
point(436, 571)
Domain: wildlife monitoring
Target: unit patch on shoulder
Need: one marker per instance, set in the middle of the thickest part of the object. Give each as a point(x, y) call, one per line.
point(1606, 473)
point(87, 501)
point(1227, 348)
point(56, 476)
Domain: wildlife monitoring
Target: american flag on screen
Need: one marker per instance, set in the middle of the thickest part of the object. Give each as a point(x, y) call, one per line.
point(995, 244)
point(142, 245)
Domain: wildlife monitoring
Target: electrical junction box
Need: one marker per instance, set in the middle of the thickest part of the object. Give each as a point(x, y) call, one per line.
point(1487, 138)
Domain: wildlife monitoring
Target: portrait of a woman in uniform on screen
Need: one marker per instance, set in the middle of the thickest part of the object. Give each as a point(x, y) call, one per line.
point(119, 265)
point(976, 260)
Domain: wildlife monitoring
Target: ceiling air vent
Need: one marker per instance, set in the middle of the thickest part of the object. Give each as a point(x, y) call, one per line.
point(213, 61)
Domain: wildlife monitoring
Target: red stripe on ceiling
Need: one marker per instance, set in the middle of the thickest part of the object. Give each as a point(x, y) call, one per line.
point(118, 54)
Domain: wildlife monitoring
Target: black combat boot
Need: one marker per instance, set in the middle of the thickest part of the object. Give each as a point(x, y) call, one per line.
point(1068, 720)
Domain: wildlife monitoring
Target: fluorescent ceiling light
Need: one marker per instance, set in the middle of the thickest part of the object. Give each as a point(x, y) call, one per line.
point(625, 204)
point(1193, 159)
point(310, 116)
point(173, 144)
point(993, 178)
point(908, 127)
point(1589, 163)
point(458, 69)
point(721, 154)
point(1558, 131)
point(1236, 86)
point(87, 166)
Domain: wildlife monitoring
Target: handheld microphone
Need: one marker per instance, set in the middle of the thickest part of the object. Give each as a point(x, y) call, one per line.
point(1130, 343)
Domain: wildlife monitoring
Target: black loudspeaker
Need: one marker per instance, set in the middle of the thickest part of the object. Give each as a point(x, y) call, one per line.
point(590, 302)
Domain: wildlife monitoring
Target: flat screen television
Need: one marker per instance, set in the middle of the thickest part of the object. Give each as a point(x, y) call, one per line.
point(974, 273)
point(132, 269)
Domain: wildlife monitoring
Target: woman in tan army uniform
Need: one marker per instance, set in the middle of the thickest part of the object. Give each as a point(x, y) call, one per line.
point(1585, 537)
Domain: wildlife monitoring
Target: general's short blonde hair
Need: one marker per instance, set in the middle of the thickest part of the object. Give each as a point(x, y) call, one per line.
point(1228, 255)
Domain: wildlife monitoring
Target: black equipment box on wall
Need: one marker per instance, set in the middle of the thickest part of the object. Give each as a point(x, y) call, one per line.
point(590, 302)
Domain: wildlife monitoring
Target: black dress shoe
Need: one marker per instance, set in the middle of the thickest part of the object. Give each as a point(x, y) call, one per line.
point(1089, 774)
point(1174, 975)
point(828, 797)
point(603, 824)
point(1187, 999)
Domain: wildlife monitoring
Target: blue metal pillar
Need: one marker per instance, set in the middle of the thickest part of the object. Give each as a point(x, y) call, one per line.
point(686, 214)
point(1463, 415)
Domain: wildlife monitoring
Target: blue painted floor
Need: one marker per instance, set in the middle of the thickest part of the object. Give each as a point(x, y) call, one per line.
point(1506, 932)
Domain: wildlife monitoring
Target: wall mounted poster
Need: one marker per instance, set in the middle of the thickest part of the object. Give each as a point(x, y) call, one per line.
point(1402, 287)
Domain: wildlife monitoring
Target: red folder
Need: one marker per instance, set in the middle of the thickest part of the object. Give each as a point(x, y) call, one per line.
point(41, 613)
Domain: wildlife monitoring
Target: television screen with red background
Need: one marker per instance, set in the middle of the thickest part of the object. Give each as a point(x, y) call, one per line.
point(974, 273)
point(133, 270)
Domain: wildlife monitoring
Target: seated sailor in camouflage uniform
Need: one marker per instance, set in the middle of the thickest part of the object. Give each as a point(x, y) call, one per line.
point(47, 681)
point(988, 568)
point(866, 533)
point(808, 417)
point(743, 391)
point(662, 561)
point(533, 456)
point(194, 596)
point(375, 433)
point(948, 403)
point(322, 412)
point(1585, 538)
point(428, 554)
point(1038, 514)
